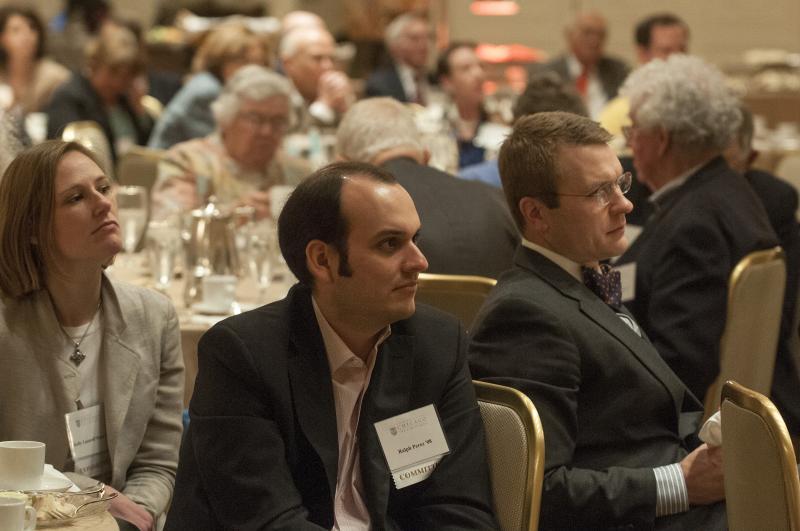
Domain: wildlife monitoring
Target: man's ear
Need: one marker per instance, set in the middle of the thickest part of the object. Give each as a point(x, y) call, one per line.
point(534, 213)
point(322, 261)
point(664, 141)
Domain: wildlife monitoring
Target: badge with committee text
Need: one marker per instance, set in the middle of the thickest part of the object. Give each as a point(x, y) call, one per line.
point(413, 444)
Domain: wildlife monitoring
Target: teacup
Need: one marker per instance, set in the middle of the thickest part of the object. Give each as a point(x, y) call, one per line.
point(16, 515)
point(21, 464)
point(219, 292)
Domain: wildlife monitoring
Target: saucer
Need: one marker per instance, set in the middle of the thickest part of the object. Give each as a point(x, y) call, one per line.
point(211, 309)
point(53, 484)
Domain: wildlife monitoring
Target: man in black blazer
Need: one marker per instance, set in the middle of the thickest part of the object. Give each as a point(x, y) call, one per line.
point(283, 430)
point(780, 201)
point(707, 216)
point(466, 226)
point(619, 425)
point(405, 79)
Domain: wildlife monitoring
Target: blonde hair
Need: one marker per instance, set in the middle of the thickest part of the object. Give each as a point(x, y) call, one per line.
point(115, 47)
point(27, 202)
point(227, 43)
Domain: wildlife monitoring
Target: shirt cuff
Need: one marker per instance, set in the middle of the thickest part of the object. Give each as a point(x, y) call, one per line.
point(322, 112)
point(671, 494)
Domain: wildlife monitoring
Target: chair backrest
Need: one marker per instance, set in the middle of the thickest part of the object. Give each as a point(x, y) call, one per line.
point(788, 168)
point(152, 106)
point(752, 325)
point(461, 295)
point(92, 136)
point(515, 448)
point(762, 490)
point(139, 166)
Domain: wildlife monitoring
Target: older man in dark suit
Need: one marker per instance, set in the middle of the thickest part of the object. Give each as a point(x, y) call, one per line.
point(596, 76)
point(466, 226)
point(618, 423)
point(299, 405)
point(405, 79)
point(707, 216)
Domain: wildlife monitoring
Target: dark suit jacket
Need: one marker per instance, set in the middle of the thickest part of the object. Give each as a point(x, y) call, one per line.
point(386, 82)
point(780, 201)
point(77, 100)
point(261, 449)
point(611, 72)
point(610, 407)
point(466, 226)
point(684, 258)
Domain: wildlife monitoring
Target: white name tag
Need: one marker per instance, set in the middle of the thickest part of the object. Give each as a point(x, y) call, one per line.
point(627, 274)
point(86, 431)
point(413, 444)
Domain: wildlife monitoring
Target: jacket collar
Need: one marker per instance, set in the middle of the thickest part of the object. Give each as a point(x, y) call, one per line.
point(605, 317)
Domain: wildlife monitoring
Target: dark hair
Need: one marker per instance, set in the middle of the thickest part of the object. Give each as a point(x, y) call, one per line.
point(546, 91)
point(443, 63)
point(313, 212)
point(528, 159)
point(644, 29)
point(33, 19)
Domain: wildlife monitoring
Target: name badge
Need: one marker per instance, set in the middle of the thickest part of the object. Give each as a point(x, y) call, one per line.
point(627, 274)
point(413, 444)
point(86, 432)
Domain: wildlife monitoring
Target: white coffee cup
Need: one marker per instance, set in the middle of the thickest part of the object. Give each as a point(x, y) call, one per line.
point(219, 292)
point(15, 515)
point(21, 465)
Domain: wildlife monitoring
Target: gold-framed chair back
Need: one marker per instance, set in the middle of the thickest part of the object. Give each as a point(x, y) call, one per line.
point(762, 490)
point(461, 295)
point(139, 166)
point(515, 448)
point(750, 340)
point(152, 106)
point(89, 134)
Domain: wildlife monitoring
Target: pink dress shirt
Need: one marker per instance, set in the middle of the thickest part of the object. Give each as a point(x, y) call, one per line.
point(350, 377)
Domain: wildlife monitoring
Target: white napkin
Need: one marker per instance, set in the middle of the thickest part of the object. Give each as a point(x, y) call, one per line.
point(711, 432)
point(51, 472)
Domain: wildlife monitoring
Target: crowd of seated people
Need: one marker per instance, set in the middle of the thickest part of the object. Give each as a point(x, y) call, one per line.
point(293, 401)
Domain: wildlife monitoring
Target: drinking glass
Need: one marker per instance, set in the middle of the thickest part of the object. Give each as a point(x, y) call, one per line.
point(263, 242)
point(132, 215)
point(163, 243)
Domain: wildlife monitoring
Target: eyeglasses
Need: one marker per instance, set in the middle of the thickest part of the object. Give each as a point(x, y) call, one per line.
point(276, 123)
point(605, 193)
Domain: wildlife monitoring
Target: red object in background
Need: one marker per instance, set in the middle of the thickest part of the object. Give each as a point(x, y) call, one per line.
point(509, 53)
point(494, 7)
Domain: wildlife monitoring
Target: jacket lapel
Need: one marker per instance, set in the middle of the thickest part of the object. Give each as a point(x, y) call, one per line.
point(310, 378)
point(605, 317)
point(119, 368)
point(388, 395)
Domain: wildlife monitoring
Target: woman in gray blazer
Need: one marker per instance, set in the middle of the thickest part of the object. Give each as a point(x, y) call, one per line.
point(73, 339)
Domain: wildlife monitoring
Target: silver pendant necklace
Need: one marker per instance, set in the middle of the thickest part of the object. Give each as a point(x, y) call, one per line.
point(77, 356)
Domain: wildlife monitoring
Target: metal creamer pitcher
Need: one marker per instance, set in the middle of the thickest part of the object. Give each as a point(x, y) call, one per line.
point(210, 247)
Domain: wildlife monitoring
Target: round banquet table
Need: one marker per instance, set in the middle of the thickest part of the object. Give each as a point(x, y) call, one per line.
point(132, 269)
point(99, 522)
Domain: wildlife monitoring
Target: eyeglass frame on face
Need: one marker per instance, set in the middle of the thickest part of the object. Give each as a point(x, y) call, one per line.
point(277, 124)
point(604, 193)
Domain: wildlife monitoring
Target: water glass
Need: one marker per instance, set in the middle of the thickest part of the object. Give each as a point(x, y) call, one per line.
point(132, 215)
point(163, 244)
point(263, 245)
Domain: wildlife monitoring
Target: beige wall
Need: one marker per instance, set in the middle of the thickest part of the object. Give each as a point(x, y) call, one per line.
point(721, 29)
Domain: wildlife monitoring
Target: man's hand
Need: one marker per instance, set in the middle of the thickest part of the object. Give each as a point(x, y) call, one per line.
point(260, 201)
point(702, 470)
point(336, 91)
point(126, 509)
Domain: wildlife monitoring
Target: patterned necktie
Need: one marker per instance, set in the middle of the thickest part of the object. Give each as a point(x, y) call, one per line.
point(582, 82)
point(605, 284)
